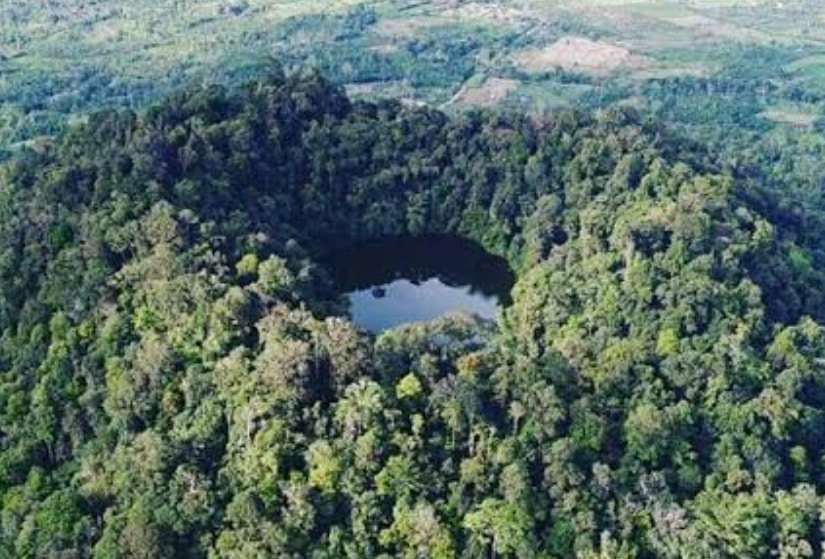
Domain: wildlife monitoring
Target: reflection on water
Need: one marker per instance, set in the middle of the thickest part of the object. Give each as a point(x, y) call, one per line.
point(412, 279)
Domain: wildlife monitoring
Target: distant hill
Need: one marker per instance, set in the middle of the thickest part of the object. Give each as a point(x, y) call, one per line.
point(685, 60)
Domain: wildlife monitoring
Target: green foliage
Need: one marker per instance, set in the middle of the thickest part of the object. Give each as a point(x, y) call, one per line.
point(178, 377)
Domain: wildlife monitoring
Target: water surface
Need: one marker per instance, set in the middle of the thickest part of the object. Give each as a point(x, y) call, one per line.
point(394, 281)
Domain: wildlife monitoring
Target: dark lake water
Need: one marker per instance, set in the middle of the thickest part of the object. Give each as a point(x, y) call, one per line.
point(395, 281)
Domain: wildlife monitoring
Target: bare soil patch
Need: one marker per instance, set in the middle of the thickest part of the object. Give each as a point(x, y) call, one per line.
point(475, 11)
point(488, 93)
point(580, 54)
point(404, 27)
point(792, 118)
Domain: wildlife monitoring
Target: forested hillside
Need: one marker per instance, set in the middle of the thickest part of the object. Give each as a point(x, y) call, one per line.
point(178, 377)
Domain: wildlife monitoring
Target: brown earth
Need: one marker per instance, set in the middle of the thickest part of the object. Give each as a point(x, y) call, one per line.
point(579, 54)
point(488, 93)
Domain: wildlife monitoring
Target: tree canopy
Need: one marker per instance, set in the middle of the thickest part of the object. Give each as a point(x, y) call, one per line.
point(178, 377)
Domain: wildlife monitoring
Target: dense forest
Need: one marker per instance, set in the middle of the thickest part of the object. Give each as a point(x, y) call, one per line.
point(178, 377)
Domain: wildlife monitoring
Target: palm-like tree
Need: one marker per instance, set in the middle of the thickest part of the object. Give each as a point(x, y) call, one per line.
point(358, 409)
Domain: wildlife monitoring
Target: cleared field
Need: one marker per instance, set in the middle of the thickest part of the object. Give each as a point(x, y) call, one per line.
point(62, 58)
point(547, 95)
point(579, 54)
point(402, 28)
point(793, 117)
point(493, 12)
point(487, 94)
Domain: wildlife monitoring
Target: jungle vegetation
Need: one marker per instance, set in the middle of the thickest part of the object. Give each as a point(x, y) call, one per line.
point(178, 377)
